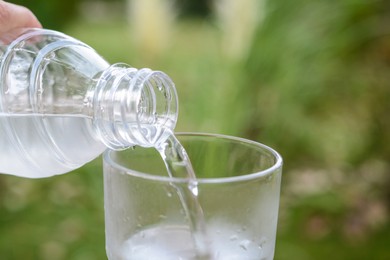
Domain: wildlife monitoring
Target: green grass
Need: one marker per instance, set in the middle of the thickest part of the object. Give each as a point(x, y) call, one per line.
point(55, 218)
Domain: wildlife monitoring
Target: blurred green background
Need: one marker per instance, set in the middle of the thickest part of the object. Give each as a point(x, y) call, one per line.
point(309, 78)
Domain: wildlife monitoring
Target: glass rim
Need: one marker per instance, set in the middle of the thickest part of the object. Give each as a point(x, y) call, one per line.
point(249, 176)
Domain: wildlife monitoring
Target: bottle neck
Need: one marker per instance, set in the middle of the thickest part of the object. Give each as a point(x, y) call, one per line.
point(133, 107)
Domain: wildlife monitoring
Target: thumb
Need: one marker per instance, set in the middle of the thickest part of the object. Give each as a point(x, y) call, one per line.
point(15, 16)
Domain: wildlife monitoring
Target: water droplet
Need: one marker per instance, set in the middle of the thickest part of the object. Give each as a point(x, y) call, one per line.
point(193, 187)
point(233, 237)
point(269, 178)
point(127, 219)
point(154, 118)
point(263, 241)
point(159, 85)
point(244, 244)
point(51, 55)
point(86, 102)
point(167, 95)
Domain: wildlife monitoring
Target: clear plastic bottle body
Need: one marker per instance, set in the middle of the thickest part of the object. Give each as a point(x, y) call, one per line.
point(62, 104)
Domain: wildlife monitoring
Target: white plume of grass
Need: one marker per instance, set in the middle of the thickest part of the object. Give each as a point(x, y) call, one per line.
point(238, 20)
point(151, 24)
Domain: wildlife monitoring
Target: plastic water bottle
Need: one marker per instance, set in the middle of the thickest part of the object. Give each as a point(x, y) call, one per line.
point(62, 104)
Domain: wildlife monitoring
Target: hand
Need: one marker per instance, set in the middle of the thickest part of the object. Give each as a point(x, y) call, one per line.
point(15, 16)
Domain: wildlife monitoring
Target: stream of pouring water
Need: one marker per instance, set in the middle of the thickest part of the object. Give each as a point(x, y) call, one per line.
point(179, 166)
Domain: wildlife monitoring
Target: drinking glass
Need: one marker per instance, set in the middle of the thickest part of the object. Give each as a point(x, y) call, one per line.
point(237, 188)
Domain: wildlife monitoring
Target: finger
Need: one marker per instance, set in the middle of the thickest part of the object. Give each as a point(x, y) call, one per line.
point(15, 16)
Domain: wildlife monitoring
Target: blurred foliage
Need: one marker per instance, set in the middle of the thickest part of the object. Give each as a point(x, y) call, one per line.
point(54, 14)
point(55, 218)
point(318, 80)
point(314, 86)
point(191, 8)
point(322, 69)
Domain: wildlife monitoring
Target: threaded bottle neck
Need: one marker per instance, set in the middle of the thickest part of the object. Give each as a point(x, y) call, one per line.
point(133, 107)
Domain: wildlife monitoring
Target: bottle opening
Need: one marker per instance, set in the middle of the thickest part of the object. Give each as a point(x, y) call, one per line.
point(134, 107)
point(157, 107)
